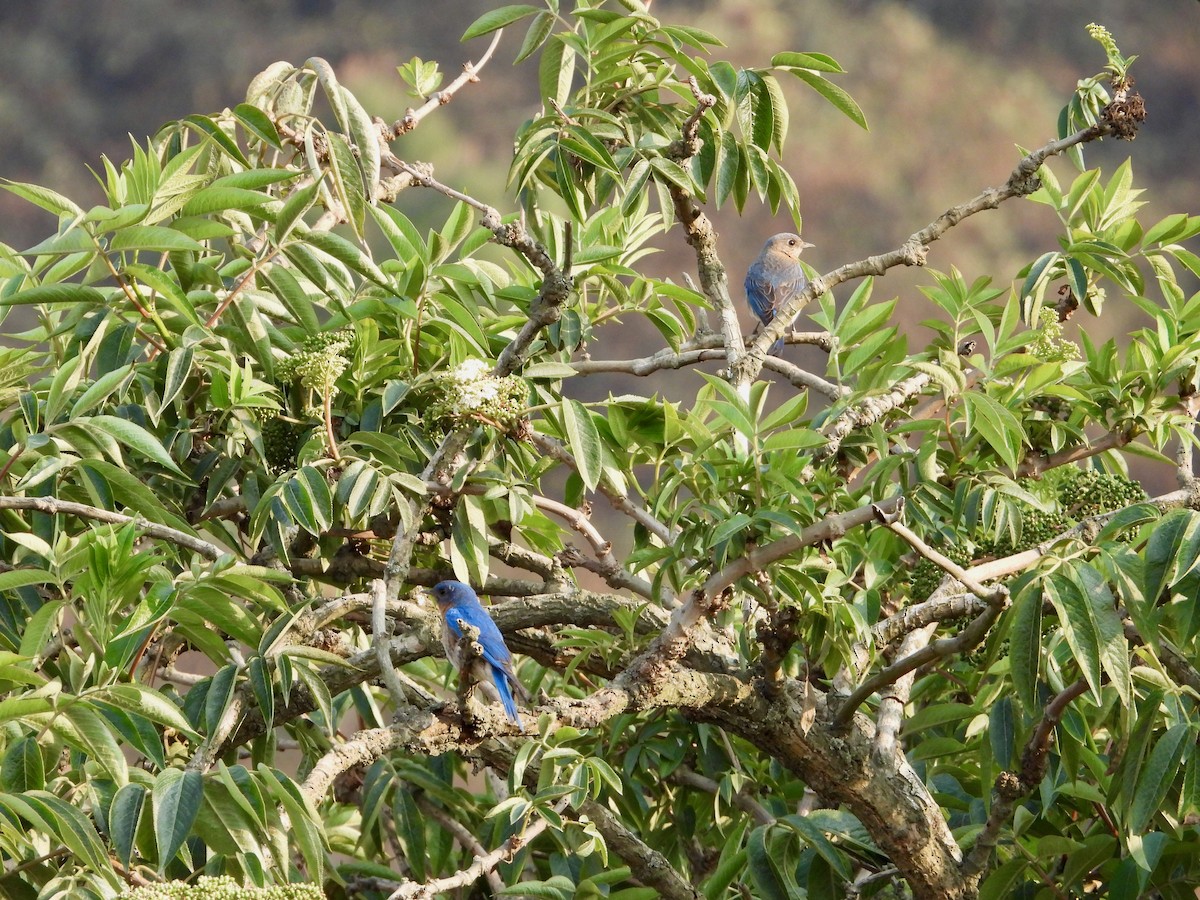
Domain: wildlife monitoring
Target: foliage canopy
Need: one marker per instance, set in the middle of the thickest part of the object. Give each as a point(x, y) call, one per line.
point(901, 621)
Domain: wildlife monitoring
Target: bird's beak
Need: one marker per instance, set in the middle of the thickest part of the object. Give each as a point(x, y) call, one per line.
point(804, 245)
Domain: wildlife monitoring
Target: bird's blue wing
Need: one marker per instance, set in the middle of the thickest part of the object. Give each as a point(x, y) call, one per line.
point(759, 295)
point(495, 653)
point(452, 615)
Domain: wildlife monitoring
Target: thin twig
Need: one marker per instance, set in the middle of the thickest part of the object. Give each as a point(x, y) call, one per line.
point(614, 573)
point(971, 635)
point(470, 75)
point(741, 798)
point(1012, 787)
point(618, 499)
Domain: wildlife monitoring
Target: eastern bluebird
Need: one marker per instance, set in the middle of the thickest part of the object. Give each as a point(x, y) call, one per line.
point(494, 670)
point(775, 278)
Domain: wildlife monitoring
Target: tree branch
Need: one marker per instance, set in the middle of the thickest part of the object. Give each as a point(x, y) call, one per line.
point(618, 499)
point(415, 891)
point(52, 506)
point(1022, 182)
point(976, 630)
point(1012, 787)
point(470, 75)
point(463, 836)
point(611, 570)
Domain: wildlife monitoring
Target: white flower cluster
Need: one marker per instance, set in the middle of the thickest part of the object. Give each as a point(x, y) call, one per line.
point(469, 390)
point(470, 370)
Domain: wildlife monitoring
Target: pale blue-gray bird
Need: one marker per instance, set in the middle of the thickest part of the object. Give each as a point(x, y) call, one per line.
point(776, 277)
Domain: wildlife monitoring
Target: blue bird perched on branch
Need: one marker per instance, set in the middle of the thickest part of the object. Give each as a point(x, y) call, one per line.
point(493, 671)
point(776, 277)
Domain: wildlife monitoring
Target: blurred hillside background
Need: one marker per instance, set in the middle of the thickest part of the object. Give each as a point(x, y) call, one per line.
point(949, 88)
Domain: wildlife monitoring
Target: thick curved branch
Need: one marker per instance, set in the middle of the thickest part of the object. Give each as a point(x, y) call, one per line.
point(935, 609)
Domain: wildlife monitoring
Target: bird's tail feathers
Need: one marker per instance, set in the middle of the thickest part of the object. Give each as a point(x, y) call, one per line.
point(503, 680)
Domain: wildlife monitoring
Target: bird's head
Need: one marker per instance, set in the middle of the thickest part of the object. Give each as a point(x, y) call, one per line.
point(787, 244)
point(452, 593)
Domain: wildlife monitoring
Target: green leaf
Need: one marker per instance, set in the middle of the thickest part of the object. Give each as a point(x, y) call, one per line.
point(217, 135)
point(123, 818)
point(177, 796)
point(583, 439)
point(834, 94)
point(218, 199)
point(816, 61)
point(1093, 590)
point(258, 123)
point(136, 438)
point(99, 390)
point(179, 366)
point(144, 701)
point(1025, 645)
point(498, 18)
point(304, 821)
point(817, 839)
point(264, 691)
point(87, 730)
point(1176, 530)
point(296, 205)
point(589, 148)
point(764, 869)
point(556, 71)
point(1077, 621)
point(56, 293)
point(18, 578)
point(153, 238)
point(1158, 776)
point(347, 182)
point(996, 425)
point(535, 36)
point(284, 285)
point(729, 158)
point(77, 240)
point(69, 824)
point(469, 548)
point(307, 497)
point(49, 200)
point(345, 252)
point(23, 768)
point(220, 693)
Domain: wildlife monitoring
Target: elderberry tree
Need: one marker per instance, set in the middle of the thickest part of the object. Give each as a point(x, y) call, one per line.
point(901, 624)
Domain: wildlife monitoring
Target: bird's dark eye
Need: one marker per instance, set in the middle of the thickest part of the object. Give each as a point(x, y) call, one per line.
point(791, 242)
